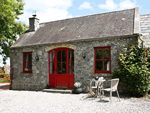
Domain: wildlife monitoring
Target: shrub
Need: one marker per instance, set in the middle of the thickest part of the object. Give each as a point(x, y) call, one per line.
point(134, 71)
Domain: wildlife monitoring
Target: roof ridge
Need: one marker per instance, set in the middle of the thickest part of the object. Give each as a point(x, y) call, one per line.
point(89, 15)
point(145, 15)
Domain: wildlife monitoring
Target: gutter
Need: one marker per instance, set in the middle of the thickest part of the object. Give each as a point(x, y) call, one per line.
point(79, 40)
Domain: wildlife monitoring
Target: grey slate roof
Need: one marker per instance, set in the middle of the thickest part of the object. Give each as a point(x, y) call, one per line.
point(112, 24)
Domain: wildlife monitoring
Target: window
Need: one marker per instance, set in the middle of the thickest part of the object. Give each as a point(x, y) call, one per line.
point(27, 62)
point(61, 61)
point(102, 60)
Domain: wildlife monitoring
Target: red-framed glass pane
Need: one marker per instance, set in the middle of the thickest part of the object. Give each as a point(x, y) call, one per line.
point(63, 63)
point(27, 62)
point(64, 68)
point(102, 60)
point(51, 68)
point(71, 61)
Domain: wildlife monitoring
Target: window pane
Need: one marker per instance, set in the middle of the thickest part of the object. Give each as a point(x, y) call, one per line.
point(51, 68)
point(25, 58)
point(30, 66)
point(69, 67)
point(53, 56)
point(106, 53)
point(58, 68)
point(99, 66)
point(59, 56)
point(63, 68)
point(50, 55)
point(72, 67)
point(72, 55)
point(98, 53)
point(26, 66)
point(64, 55)
point(106, 65)
point(30, 57)
point(69, 55)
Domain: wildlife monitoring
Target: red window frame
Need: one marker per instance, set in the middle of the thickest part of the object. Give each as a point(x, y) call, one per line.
point(24, 71)
point(102, 71)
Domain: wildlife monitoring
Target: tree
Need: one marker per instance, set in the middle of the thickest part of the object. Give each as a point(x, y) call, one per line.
point(134, 69)
point(9, 28)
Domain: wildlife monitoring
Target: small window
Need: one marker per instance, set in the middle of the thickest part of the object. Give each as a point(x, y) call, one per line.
point(102, 60)
point(27, 62)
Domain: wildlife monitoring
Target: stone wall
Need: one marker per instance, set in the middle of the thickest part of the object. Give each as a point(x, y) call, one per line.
point(84, 68)
point(36, 80)
point(145, 29)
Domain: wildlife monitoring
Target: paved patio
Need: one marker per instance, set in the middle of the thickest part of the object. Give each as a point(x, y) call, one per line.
point(43, 102)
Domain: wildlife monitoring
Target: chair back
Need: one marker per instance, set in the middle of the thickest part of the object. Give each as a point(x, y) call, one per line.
point(114, 84)
point(94, 82)
point(100, 81)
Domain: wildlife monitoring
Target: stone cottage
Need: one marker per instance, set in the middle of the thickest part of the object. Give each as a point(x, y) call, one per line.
point(63, 52)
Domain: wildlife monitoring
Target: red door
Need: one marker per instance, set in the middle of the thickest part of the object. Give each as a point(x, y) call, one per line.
point(61, 68)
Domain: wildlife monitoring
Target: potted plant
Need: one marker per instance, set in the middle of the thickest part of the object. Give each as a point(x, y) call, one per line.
point(77, 88)
point(47, 86)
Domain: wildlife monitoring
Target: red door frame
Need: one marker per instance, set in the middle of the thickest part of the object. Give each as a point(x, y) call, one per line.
point(53, 78)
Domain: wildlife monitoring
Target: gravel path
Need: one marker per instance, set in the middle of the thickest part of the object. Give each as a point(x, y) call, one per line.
point(43, 102)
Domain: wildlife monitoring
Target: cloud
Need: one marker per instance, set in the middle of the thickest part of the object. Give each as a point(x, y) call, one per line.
point(109, 5)
point(85, 5)
point(52, 14)
point(46, 10)
point(44, 4)
point(124, 4)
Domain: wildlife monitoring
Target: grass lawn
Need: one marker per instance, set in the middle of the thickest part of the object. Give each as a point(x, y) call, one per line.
point(3, 81)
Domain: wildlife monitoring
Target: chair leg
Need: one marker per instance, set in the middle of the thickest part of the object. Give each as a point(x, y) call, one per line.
point(110, 95)
point(118, 95)
point(103, 93)
point(100, 95)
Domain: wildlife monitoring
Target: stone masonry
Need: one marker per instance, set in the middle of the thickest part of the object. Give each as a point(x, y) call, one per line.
point(145, 29)
point(84, 68)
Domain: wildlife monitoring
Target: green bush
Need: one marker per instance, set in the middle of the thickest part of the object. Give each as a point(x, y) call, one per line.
point(134, 71)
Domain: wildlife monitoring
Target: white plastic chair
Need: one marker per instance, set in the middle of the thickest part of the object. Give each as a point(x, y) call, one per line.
point(100, 85)
point(93, 84)
point(113, 88)
point(97, 85)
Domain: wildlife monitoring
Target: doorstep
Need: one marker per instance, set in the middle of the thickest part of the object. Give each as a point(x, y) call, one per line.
point(58, 90)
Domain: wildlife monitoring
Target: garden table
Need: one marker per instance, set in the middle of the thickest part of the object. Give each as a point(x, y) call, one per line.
point(98, 85)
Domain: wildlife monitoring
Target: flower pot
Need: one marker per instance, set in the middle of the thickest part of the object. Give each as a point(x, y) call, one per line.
point(77, 90)
point(48, 86)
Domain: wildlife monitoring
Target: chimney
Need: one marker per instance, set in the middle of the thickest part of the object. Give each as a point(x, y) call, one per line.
point(33, 23)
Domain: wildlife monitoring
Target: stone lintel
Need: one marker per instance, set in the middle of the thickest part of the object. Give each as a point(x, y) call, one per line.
point(71, 46)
